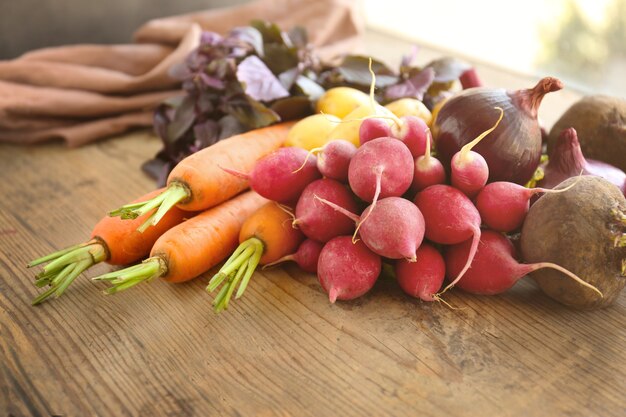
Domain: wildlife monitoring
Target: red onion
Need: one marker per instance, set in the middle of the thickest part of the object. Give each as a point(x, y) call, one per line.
point(513, 150)
point(567, 160)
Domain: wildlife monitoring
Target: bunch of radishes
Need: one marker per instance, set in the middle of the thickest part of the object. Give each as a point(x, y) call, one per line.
point(391, 200)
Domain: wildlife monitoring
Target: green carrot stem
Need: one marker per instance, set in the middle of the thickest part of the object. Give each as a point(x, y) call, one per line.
point(129, 277)
point(174, 194)
point(236, 272)
point(66, 265)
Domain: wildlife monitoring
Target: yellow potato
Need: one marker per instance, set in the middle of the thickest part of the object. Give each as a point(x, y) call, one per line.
point(410, 107)
point(349, 128)
point(340, 101)
point(312, 131)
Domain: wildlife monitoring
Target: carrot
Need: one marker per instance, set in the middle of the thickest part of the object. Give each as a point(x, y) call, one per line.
point(112, 240)
point(266, 236)
point(191, 248)
point(198, 182)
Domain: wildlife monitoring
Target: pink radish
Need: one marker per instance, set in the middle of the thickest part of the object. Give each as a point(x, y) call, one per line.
point(412, 131)
point(282, 175)
point(494, 269)
point(347, 270)
point(424, 277)
point(428, 169)
point(450, 218)
point(317, 220)
point(393, 228)
point(468, 169)
point(373, 128)
point(306, 256)
point(503, 205)
point(381, 168)
point(334, 159)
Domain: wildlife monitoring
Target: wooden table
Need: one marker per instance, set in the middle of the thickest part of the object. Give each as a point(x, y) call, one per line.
point(282, 350)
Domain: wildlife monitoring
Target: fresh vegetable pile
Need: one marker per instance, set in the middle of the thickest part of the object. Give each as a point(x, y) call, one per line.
point(359, 185)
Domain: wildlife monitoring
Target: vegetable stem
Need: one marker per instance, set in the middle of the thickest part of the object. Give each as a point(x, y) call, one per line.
point(236, 271)
point(174, 194)
point(65, 266)
point(129, 277)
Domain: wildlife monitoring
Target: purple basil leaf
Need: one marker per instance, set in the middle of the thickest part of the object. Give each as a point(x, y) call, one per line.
point(408, 59)
point(183, 119)
point(206, 134)
point(230, 126)
point(298, 36)
point(250, 112)
point(309, 88)
point(355, 70)
point(208, 38)
point(249, 35)
point(211, 81)
point(288, 78)
point(448, 69)
point(414, 87)
point(259, 82)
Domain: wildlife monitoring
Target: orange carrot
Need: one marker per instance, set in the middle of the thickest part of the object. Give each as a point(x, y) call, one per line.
point(113, 240)
point(191, 248)
point(198, 182)
point(265, 237)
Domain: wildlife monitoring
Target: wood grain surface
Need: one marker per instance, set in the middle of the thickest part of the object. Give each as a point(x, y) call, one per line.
point(282, 350)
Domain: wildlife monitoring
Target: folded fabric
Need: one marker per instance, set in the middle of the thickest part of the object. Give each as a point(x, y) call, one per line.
point(81, 93)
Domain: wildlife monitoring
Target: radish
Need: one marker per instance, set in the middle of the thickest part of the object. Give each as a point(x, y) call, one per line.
point(282, 175)
point(334, 159)
point(347, 270)
point(317, 220)
point(306, 256)
point(503, 205)
point(381, 168)
point(412, 131)
point(374, 128)
point(494, 268)
point(393, 228)
point(468, 169)
point(422, 278)
point(428, 169)
point(450, 218)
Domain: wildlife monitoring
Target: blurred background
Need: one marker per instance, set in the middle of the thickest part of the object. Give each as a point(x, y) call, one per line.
point(582, 42)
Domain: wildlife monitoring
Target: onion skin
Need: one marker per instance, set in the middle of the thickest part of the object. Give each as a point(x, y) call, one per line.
point(567, 160)
point(513, 149)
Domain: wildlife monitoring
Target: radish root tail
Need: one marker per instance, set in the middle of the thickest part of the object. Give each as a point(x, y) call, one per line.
point(311, 152)
point(468, 147)
point(379, 179)
point(470, 258)
point(573, 276)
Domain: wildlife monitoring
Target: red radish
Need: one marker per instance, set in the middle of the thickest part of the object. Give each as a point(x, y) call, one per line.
point(468, 169)
point(282, 175)
point(494, 269)
point(381, 168)
point(334, 159)
point(567, 160)
point(424, 277)
point(412, 131)
point(317, 220)
point(503, 205)
point(470, 79)
point(347, 270)
point(450, 218)
point(393, 228)
point(374, 128)
point(428, 169)
point(306, 256)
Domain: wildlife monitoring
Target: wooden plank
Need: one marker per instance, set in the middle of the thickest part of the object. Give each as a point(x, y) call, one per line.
point(282, 350)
